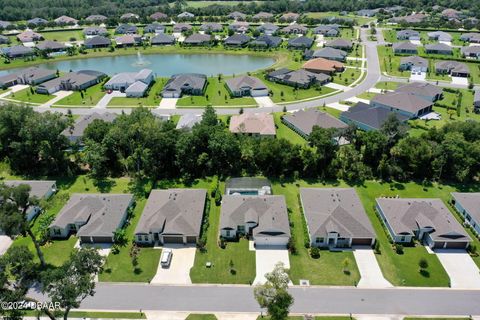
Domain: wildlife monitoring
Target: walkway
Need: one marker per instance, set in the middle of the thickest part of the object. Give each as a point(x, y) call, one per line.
point(461, 269)
point(59, 95)
point(370, 274)
point(168, 103)
point(103, 103)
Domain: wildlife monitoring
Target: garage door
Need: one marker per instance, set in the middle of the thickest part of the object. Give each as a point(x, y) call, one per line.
point(191, 239)
point(102, 239)
point(361, 242)
point(173, 239)
point(456, 245)
point(271, 241)
point(85, 240)
point(439, 245)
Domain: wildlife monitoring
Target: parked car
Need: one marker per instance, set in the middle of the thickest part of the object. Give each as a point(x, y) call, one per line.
point(166, 258)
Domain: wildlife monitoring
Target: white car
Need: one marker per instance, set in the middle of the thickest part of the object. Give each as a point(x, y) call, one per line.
point(166, 258)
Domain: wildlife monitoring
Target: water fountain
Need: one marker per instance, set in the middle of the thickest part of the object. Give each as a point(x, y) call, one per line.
point(140, 62)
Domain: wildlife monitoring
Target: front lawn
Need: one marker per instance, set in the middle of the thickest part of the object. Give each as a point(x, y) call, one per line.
point(237, 252)
point(152, 99)
point(26, 95)
point(284, 93)
point(367, 95)
point(196, 316)
point(285, 132)
point(387, 85)
point(90, 97)
point(347, 77)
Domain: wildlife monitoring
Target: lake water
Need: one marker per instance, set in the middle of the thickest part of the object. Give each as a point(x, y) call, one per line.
point(165, 65)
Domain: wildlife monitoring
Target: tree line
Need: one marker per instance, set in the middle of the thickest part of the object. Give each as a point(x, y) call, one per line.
point(141, 145)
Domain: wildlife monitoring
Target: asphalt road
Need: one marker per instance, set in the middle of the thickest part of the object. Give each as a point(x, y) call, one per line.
point(329, 300)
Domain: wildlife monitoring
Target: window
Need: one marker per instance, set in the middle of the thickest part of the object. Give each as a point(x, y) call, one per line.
point(319, 240)
point(57, 232)
point(73, 227)
point(227, 233)
point(241, 228)
point(402, 239)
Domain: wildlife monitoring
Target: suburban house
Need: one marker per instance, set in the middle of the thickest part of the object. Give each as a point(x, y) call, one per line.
point(64, 20)
point(128, 40)
point(129, 16)
point(329, 30)
point(75, 133)
point(154, 28)
point(471, 37)
point(367, 12)
point(31, 76)
point(17, 51)
point(157, 16)
point(97, 42)
point(248, 186)
point(235, 15)
point(414, 63)
point(476, 101)
point(289, 17)
point(411, 19)
point(51, 46)
point(4, 39)
point(162, 39)
point(321, 65)
point(253, 124)
point(335, 218)
point(186, 15)
point(263, 16)
point(330, 54)
point(295, 29)
point(94, 218)
point(268, 28)
point(36, 21)
point(300, 42)
point(72, 81)
point(237, 40)
point(246, 86)
point(134, 84)
point(303, 121)
point(126, 29)
point(438, 48)
point(471, 52)
point(185, 83)
point(95, 31)
point(266, 41)
point(300, 78)
point(210, 27)
point(239, 26)
point(468, 205)
point(39, 189)
point(427, 220)
point(453, 68)
point(405, 47)
point(96, 18)
point(439, 36)
point(369, 118)
point(29, 36)
point(423, 90)
point(408, 35)
point(263, 218)
point(342, 44)
point(172, 216)
point(405, 103)
point(188, 121)
point(181, 27)
point(198, 39)
point(4, 24)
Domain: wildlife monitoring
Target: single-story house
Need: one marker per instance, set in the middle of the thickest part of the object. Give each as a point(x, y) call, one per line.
point(154, 28)
point(423, 90)
point(263, 16)
point(198, 39)
point(295, 29)
point(157, 16)
point(72, 81)
point(188, 120)
point(342, 44)
point(335, 218)
point(321, 65)
point(181, 27)
point(235, 15)
point(95, 31)
point(303, 121)
point(186, 15)
point(237, 40)
point(5, 24)
point(210, 27)
point(369, 118)
point(31, 76)
point(300, 42)
point(97, 42)
point(248, 186)
point(263, 218)
point(126, 29)
point(268, 28)
point(29, 36)
point(438, 48)
point(411, 19)
point(471, 37)
point(476, 101)
point(75, 132)
point(239, 26)
point(404, 103)
point(129, 16)
point(172, 216)
point(408, 34)
point(468, 205)
point(36, 21)
point(300, 78)
point(49, 45)
point(454, 68)
point(253, 124)
point(185, 83)
point(471, 52)
point(39, 189)
point(289, 17)
point(367, 12)
point(405, 47)
point(93, 217)
point(127, 40)
point(246, 86)
point(123, 81)
point(427, 220)
point(96, 18)
point(439, 36)
point(330, 54)
point(63, 20)
point(266, 41)
point(414, 63)
point(19, 51)
point(162, 39)
point(329, 30)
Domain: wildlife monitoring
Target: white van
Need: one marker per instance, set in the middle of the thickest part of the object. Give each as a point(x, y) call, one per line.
point(166, 258)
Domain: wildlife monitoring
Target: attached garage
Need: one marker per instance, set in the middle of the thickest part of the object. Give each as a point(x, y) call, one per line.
point(362, 241)
point(102, 239)
point(172, 239)
point(271, 241)
point(191, 239)
point(456, 245)
point(85, 240)
point(439, 245)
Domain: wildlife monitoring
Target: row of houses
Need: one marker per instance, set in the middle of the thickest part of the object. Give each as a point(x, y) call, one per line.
point(441, 36)
point(450, 67)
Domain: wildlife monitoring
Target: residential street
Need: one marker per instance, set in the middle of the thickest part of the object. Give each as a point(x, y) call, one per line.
point(329, 300)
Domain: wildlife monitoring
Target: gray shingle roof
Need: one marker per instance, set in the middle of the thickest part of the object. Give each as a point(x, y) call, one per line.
point(339, 43)
point(270, 212)
point(211, 26)
point(407, 215)
point(163, 38)
point(372, 117)
point(330, 53)
point(173, 211)
point(438, 47)
point(96, 17)
point(237, 39)
point(305, 120)
point(82, 123)
point(405, 34)
point(421, 89)
point(38, 188)
point(415, 61)
point(402, 101)
point(50, 45)
point(198, 38)
point(265, 40)
point(154, 28)
point(187, 121)
point(452, 66)
point(335, 210)
point(267, 27)
point(405, 45)
point(300, 42)
point(244, 82)
point(295, 28)
point(470, 201)
point(191, 80)
point(300, 76)
point(98, 41)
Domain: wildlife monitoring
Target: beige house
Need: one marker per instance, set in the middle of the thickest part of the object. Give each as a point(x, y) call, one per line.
point(253, 124)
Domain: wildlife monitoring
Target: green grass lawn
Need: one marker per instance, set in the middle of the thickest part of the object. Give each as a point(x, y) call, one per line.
point(151, 100)
point(390, 35)
point(26, 95)
point(327, 270)
point(285, 132)
point(216, 94)
point(320, 15)
point(237, 252)
point(290, 94)
point(390, 63)
point(386, 85)
point(63, 36)
point(196, 316)
point(367, 95)
point(90, 97)
point(347, 77)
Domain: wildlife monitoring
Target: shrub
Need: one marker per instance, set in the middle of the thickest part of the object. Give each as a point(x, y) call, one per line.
point(222, 243)
point(423, 263)
point(218, 198)
point(376, 247)
point(315, 253)
point(398, 248)
point(291, 246)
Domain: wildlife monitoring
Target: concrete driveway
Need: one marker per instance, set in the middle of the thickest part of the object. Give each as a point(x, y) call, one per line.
point(168, 103)
point(267, 258)
point(5, 243)
point(461, 269)
point(103, 103)
point(370, 274)
point(418, 77)
point(264, 102)
point(179, 270)
point(58, 96)
point(460, 80)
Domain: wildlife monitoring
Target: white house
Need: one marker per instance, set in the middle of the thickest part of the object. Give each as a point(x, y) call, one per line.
point(134, 84)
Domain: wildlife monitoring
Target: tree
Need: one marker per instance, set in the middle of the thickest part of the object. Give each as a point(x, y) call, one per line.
point(345, 265)
point(15, 203)
point(273, 294)
point(134, 253)
point(393, 128)
point(74, 281)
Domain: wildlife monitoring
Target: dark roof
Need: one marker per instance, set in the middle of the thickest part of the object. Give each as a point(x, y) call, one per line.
point(305, 120)
point(414, 60)
point(421, 89)
point(98, 41)
point(237, 39)
point(153, 27)
point(339, 43)
point(300, 76)
point(405, 45)
point(197, 38)
point(163, 38)
point(126, 28)
point(82, 123)
point(191, 80)
point(265, 40)
point(402, 100)
point(300, 42)
point(438, 47)
point(50, 45)
point(330, 53)
point(17, 51)
point(372, 117)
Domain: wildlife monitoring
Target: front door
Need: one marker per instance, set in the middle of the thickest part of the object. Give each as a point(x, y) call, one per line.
point(155, 236)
